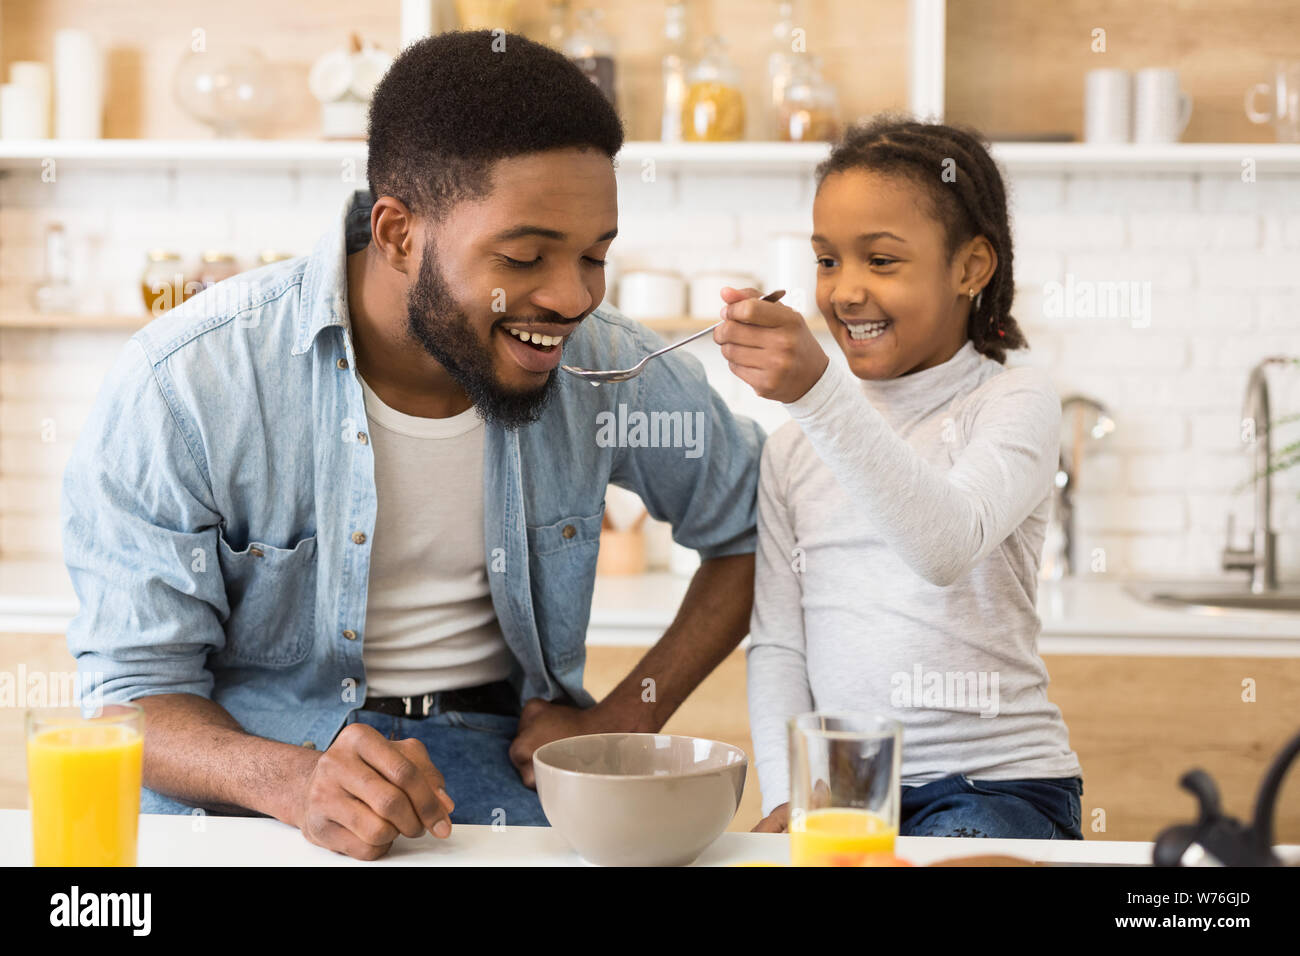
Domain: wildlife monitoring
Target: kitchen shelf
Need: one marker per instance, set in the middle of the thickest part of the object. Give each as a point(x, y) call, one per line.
point(25, 319)
point(180, 153)
point(740, 157)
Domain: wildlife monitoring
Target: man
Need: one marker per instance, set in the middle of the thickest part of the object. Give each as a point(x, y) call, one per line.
point(331, 526)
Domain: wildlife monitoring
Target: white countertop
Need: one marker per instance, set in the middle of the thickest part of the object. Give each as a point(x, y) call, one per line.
point(243, 841)
point(1086, 615)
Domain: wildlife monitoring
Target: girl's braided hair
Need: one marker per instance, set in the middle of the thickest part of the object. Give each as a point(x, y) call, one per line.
point(970, 201)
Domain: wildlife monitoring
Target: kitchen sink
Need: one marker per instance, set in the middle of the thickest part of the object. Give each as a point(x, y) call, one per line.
point(1211, 598)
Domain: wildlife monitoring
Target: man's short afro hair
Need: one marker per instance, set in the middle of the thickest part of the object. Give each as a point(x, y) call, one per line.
point(453, 104)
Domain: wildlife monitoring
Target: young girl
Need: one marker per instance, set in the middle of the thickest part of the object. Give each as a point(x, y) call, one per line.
point(901, 513)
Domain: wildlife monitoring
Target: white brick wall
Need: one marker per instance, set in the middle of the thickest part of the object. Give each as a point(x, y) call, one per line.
point(1222, 258)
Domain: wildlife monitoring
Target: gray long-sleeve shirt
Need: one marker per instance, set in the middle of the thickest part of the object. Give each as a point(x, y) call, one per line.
point(900, 529)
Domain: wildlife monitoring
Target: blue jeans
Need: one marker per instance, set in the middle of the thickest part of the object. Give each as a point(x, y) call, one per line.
point(470, 749)
point(956, 806)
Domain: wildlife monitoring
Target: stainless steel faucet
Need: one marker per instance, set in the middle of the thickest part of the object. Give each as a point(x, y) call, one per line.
point(1260, 559)
point(1066, 560)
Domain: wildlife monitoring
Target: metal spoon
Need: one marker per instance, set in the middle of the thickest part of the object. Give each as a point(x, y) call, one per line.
point(616, 375)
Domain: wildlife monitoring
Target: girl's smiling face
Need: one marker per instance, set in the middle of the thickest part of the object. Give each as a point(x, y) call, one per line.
point(884, 272)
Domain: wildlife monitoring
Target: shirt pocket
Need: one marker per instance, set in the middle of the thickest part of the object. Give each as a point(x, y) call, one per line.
point(562, 568)
point(272, 597)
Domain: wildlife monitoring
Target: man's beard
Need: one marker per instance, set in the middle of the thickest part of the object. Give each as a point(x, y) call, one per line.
point(443, 328)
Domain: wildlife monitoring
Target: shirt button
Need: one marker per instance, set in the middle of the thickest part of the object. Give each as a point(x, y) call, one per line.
point(350, 634)
point(358, 537)
point(342, 363)
point(309, 744)
point(256, 552)
point(569, 531)
point(361, 437)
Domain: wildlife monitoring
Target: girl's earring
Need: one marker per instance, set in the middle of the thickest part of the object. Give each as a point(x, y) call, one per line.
point(973, 293)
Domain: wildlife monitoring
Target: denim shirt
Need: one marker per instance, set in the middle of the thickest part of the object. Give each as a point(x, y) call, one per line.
point(219, 505)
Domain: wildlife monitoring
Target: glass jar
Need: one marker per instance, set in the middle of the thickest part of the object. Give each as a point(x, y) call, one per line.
point(673, 73)
point(808, 109)
point(784, 50)
point(163, 283)
point(215, 266)
point(592, 49)
point(56, 293)
point(714, 108)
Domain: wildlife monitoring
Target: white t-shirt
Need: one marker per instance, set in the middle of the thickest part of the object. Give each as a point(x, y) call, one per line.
point(430, 623)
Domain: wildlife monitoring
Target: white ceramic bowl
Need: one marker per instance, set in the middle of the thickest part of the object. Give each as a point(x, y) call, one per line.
point(639, 799)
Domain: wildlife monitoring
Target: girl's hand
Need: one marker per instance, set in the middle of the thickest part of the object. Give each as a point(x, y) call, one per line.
point(778, 821)
point(768, 345)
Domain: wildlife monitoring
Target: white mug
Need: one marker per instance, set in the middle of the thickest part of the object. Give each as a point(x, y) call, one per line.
point(1108, 106)
point(21, 113)
point(1161, 109)
point(36, 75)
point(793, 267)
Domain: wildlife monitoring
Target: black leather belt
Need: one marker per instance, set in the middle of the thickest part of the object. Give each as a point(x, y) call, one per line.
point(495, 698)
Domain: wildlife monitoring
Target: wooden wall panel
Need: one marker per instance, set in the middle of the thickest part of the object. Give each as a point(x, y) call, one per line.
point(1018, 65)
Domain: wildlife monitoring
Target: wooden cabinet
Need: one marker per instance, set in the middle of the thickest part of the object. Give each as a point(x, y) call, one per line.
point(1137, 723)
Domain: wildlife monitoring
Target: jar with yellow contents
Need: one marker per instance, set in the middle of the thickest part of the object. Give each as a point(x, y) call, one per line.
point(713, 109)
point(163, 283)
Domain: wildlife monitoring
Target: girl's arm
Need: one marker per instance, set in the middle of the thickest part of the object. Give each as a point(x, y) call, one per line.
point(941, 523)
point(778, 673)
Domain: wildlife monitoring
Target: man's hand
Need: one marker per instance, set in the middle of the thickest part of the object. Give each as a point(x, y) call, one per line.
point(542, 721)
point(366, 789)
point(768, 345)
point(778, 821)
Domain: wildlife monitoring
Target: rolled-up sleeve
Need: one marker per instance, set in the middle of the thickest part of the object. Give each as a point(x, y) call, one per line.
point(705, 482)
point(139, 529)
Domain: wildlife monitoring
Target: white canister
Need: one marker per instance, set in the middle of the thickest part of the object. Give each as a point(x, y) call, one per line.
point(1161, 109)
point(78, 86)
point(706, 291)
point(792, 266)
point(1108, 106)
point(647, 294)
point(20, 113)
point(36, 76)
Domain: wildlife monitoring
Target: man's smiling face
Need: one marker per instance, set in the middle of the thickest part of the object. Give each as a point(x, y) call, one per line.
point(526, 258)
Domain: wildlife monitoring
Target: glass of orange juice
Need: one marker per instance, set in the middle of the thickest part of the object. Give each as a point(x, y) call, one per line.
point(844, 787)
point(83, 782)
